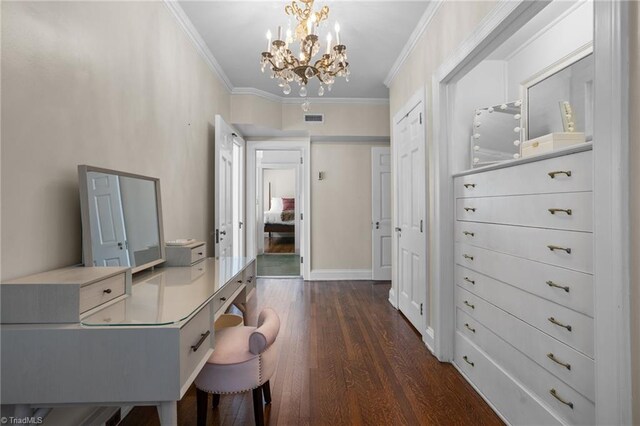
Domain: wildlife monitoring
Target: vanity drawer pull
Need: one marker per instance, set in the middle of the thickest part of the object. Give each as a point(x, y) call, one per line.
point(470, 209)
point(223, 299)
point(466, 359)
point(239, 281)
point(466, 256)
point(473, 330)
point(552, 175)
point(557, 361)
point(467, 279)
point(203, 337)
point(200, 253)
point(565, 249)
point(554, 393)
point(469, 305)
point(469, 233)
point(107, 291)
point(469, 185)
point(552, 284)
point(552, 320)
point(569, 212)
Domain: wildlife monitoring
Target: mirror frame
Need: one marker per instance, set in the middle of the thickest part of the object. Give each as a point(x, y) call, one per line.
point(87, 248)
point(573, 57)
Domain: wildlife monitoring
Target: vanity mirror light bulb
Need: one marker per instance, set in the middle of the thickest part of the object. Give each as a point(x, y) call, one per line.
point(478, 112)
point(516, 142)
point(476, 160)
point(503, 106)
point(476, 136)
point(517, 129)
point(490, 109)
point(516, 156)
point(517, 103)
point(477, 124)
point(476, 148)
point(517, 117)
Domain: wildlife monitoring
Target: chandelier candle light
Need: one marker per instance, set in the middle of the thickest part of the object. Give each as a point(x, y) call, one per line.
point(288, 67)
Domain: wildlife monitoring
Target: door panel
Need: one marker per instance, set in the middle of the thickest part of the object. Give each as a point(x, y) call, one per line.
point(381, 212)
point(223, 188)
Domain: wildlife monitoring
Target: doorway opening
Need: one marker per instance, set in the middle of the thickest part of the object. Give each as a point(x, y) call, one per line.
point(278, 233)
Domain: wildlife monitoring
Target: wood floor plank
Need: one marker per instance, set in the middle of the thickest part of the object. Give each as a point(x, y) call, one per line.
point(347, 357)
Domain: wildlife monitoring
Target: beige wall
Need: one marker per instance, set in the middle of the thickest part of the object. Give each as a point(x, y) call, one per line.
point(283, 184)
point(341, 205)
point(111, 84)
point(634, 133)
point(251, 109)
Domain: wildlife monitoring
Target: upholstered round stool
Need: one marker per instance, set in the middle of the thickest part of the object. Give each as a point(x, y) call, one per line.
point(244, 359)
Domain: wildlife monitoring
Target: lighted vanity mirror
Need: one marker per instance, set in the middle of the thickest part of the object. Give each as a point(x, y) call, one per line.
point(560, 98)
point(121, 219)
point(496, 134)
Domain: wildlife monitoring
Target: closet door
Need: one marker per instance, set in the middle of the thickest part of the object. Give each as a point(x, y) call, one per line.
point(223, 188)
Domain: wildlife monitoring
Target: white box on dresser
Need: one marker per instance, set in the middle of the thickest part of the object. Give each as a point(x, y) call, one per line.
point(524, 286)
point(186, 255)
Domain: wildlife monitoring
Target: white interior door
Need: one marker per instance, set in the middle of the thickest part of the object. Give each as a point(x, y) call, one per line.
point(238, 196)
point(381, 212)
point(106, 206)
point(223, 188)
point(410, 173)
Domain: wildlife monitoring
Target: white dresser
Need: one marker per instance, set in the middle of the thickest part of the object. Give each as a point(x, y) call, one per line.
point(524, 287)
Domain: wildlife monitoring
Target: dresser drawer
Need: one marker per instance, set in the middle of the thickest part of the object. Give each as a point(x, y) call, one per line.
point(100, 292)
point(553, 319)
point(562, 286)
point(513, 402)
point(198, 253)
point(531, 243)
point(249, 276)
point(535, 379)
point(531, 210)
point(196, 343)
point(224, 295)
point(578, 370)
point(531, 178)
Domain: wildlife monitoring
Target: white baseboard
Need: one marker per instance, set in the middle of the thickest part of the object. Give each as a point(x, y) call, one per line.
point(428, 339)
point(392, 298)
point(340, 274)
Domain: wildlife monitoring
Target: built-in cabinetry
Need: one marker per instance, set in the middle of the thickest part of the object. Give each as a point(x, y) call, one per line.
point(144, 346)
point(524, 288)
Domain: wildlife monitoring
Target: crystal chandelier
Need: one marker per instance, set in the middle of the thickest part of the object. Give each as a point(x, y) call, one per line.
point(288, 67)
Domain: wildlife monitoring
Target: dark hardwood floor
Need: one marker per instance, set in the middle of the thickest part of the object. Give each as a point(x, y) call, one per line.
point(279, 245)
point(347, 357)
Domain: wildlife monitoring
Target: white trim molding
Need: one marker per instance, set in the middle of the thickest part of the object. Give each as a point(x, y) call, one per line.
point(420, 28)
point(197, 40)
point(315, 100)
point(340, 274)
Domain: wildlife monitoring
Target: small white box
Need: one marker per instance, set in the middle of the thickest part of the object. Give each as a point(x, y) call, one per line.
point(550, 142)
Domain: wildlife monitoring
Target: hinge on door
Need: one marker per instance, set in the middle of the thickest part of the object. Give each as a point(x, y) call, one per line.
point(301, 259)
point(420, 118)
point(420, 225)
point(300, 216)
point(217, 236)
point(240, 225)
point(421, 310)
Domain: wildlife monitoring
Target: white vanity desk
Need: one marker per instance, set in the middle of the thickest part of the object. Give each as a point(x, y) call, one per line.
point(143, 348)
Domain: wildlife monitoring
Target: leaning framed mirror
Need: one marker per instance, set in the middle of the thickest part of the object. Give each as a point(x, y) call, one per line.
point(497, 134)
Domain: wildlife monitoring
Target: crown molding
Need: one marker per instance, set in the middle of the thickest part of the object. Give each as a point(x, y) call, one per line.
point(420, 28)
point(200, 45)
point(314, 100)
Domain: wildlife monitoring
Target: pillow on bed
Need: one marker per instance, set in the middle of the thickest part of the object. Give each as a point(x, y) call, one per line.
point(276, 204)
point(288, 204)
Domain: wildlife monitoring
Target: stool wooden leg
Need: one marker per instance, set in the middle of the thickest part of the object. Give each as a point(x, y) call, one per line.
point(202, 402)
point(266, 389)
point(215, 400)
point(258, 409)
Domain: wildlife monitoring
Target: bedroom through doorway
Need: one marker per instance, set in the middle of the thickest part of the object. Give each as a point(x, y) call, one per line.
point(278, 199)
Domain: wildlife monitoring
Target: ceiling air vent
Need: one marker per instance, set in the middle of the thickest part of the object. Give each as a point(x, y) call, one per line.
point(314, 118)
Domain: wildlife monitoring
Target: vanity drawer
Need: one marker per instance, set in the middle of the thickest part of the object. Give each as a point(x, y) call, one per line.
point(531, 243)
point(576, 409)
point(531, 178)
point(548, 282)
point(224, 295)
point(578, 371)
point(541, 210)
point(196, 342)
point(100, 292)
point(249, 276)
point(198, 253)
point(513, 402)
point(566, 325)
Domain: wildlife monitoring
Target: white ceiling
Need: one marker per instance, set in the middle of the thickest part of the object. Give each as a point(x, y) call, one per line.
point(374, 32)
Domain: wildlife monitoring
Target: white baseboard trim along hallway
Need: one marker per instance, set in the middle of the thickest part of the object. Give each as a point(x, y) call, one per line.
point(339, 274)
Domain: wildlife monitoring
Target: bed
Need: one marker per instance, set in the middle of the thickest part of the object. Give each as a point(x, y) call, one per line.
point(281, 216)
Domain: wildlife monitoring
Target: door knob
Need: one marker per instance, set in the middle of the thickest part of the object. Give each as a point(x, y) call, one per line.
point(120, 246)
point(223, 232)
point(377, 225)
point(398, 229)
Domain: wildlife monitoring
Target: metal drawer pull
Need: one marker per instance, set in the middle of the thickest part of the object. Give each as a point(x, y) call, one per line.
point(223, 299)
point(554, 359)
point(199, 253)
point(569, 212)
point(469, 305)
point(467, 361)
point(552, 175)
point(554, 393)
point(552, 320)
point(554, 248)
point(467, 279)
point(469, 233)
point(203, 337)
point(552, 284)
point(469, 185)
point(470, 209)
point(466, 256)
point(239, 281)
point(107, 291)
point(473, 330)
